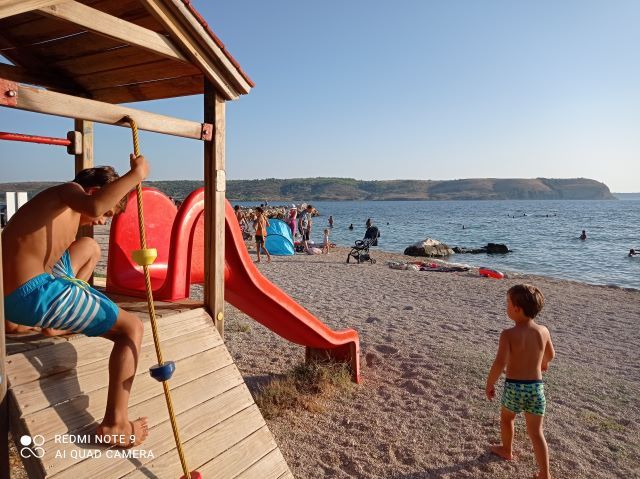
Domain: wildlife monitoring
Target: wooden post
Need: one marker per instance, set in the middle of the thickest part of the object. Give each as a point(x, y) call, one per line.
point(84, 160)
point(214, 206)
point(4, 398)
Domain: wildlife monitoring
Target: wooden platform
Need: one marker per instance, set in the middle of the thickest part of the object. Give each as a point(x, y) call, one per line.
point(59, 388)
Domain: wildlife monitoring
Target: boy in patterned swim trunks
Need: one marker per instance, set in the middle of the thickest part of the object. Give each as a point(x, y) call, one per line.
point(525, 350)
point(45, 270)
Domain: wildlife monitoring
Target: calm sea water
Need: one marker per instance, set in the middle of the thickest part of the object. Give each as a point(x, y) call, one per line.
point(542, 234)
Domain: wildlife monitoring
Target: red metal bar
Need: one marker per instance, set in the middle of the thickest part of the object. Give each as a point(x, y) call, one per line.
point(46, 140)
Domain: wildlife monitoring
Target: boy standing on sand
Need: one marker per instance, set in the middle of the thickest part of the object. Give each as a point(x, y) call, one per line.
point(525, 350)
point(260, 225)
point(45, 270)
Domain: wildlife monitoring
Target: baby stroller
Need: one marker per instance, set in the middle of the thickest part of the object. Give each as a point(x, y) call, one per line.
point(360, 251)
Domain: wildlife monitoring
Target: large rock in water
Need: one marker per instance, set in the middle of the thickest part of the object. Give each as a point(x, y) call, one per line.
point(428, 247)
point(491, 248)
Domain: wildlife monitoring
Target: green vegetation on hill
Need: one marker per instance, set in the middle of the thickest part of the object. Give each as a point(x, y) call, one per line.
point(341, 189)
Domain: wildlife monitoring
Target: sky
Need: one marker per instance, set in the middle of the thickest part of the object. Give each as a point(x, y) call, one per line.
point(411, 89)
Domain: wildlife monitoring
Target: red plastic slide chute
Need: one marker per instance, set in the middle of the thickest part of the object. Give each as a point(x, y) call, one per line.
point(178, 235)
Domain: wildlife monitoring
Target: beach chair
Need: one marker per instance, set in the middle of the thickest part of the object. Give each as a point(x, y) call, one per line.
point(360, 252)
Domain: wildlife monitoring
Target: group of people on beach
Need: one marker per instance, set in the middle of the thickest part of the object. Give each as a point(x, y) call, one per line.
point(299, 221)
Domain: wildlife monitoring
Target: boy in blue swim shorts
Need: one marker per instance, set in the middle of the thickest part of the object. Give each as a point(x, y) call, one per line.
point(45, 274)
point(524, 351)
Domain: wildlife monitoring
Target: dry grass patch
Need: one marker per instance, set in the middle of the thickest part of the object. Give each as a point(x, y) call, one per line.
point(307, 386)
point(239, 327)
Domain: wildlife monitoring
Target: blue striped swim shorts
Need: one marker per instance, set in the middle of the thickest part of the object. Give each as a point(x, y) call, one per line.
point(61, 301)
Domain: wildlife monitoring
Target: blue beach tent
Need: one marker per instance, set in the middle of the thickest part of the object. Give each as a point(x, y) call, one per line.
point(279, 241)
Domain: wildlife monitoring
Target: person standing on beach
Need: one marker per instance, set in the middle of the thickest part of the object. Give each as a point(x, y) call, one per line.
point(292, 221)
point(261, 224)
point(305, 225)
point(45, 274)
point(372, 233)
point(325, 242)
point(525, 351)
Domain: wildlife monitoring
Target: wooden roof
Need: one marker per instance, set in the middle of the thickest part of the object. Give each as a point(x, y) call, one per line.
point(116, 51)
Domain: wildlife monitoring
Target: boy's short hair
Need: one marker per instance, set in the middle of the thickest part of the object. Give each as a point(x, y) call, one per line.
point(97, 177)
point(259, 209)
point(528, 298)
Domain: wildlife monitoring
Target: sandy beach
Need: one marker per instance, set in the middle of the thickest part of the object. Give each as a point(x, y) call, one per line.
point(427, 342)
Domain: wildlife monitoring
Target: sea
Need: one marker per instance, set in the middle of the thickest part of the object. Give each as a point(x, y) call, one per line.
point(543, 235)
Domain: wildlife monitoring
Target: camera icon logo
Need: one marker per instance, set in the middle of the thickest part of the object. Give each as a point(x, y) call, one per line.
point(31, 446)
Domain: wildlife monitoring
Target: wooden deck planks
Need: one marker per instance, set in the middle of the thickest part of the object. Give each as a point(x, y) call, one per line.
point(271, 466)
point(241, 456)
point(81, 350)
point(61, 389)
point(160, 440)
point(85, 410)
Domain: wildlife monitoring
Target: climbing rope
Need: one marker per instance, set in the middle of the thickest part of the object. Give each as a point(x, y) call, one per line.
point(162, 371)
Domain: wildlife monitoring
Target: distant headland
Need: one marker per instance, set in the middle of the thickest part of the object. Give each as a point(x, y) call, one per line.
point(346, 189)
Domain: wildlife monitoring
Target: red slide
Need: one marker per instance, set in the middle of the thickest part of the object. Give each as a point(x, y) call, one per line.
point(180, 263)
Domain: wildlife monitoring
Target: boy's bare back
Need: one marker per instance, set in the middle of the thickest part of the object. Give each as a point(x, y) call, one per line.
point(526, 346)
point(39, 233)
point(36, 237)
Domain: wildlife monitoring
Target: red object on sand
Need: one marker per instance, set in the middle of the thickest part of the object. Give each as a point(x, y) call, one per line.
point(490, 273)
point(178, 236)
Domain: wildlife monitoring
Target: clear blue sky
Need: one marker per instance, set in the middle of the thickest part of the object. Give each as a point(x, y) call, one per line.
point(416, 89)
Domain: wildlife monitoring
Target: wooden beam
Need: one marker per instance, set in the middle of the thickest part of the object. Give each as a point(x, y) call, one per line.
point(214, 206)
point(24, 75)
point(32, 62)
point(4, 398)
point(153, 90)
point(204, 38)
point(141, 73)
point(51, 103)
point(196, 54)
point(9, 8)
point(112, 27)
point(84, 160)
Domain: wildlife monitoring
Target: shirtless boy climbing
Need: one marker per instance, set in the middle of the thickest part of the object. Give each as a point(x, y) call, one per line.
point(45, 270)
point(525, 350)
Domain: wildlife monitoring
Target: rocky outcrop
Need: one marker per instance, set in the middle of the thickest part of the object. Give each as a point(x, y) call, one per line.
point(491, 248)
point(429, 247)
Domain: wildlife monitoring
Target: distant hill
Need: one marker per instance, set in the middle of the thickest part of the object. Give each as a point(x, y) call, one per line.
point(340, 189)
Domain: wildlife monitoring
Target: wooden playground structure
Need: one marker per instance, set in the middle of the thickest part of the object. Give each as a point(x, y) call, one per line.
point(80, 59)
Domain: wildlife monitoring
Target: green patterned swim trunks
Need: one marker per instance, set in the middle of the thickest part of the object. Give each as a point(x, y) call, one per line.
point(524, 395)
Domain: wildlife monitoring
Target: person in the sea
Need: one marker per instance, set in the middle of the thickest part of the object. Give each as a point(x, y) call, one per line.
point(330, 221)
point(524, 352)
point(260, 224)
point(368, 222)
point(351, 226)
point(583, 236)
point(45, 273)
point(633, 252)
